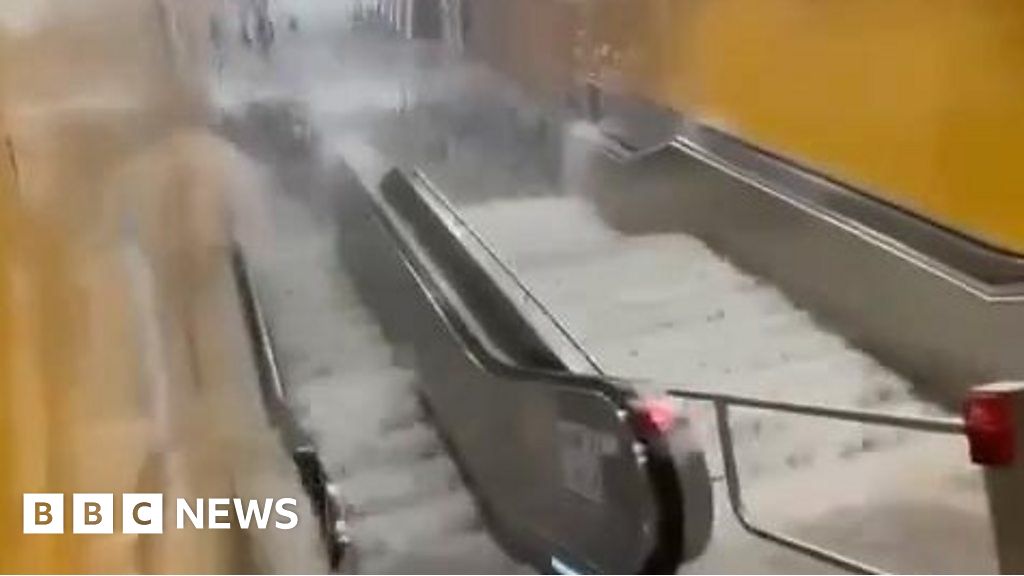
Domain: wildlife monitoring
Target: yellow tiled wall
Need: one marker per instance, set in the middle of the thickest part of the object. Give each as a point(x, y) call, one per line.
point(916, 101)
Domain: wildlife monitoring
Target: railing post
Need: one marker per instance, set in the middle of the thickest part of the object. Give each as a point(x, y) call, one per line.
point(994, 416)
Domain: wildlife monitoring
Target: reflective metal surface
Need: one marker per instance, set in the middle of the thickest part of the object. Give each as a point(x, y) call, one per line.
point(912, 310)
point(612, 510)
point(638, 297)
point(520, 293)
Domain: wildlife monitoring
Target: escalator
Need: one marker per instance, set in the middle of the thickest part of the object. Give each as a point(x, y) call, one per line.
point(404, 501)
point(482, 330)
point(480, 368)
point(392, 343)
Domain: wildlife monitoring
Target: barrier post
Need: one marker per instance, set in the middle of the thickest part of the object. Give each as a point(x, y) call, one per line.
point(994, 418)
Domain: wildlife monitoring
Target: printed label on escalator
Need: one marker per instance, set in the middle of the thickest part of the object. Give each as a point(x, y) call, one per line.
point(582, 451)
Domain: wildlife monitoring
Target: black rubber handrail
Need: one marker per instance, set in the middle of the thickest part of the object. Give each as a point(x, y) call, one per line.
point(316, 482)
point(494, 334)
point(483, 351)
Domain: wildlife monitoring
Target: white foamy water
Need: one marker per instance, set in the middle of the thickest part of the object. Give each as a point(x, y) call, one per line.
point(666, 308)
point(409, 508)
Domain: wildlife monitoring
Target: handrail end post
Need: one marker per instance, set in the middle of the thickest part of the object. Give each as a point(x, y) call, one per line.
point(994, 421)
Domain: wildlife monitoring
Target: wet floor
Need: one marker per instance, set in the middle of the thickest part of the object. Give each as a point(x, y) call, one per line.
point(505, 166)
point(262, 132)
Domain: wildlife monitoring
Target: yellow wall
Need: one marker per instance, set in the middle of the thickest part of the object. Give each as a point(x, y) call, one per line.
point(123, 367)
point(32, 292)
point(918, 101)
point(544, 62)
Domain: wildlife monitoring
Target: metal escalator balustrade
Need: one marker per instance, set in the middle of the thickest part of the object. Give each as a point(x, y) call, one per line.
point(491, 324)
point(350, 389)
point(905, 279)
point(396, 184)
point(324, 493)
point(505, 331)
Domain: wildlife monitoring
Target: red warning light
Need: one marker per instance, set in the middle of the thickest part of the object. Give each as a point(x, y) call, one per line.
point(658, 414)
point(988, 418)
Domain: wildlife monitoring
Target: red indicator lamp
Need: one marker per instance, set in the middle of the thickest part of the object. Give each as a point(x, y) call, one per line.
point(988, 418)
point(658, 415)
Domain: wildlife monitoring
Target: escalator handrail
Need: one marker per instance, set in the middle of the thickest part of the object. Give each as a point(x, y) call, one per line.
point(465, 327)
point(485, 355)
point(483, 352)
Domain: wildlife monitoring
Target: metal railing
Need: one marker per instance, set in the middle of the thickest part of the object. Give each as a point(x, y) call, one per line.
point(327, 501)
point(722, 404)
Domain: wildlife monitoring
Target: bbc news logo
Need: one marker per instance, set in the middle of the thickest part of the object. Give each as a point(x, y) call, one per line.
point(144, 513)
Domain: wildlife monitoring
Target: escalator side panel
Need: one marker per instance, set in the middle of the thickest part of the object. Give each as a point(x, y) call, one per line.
point(553, 467)
point(505, 324)
point(926, 327)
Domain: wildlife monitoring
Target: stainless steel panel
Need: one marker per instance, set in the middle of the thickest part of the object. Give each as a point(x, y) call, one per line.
point(556, 460)
point(867, 286)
